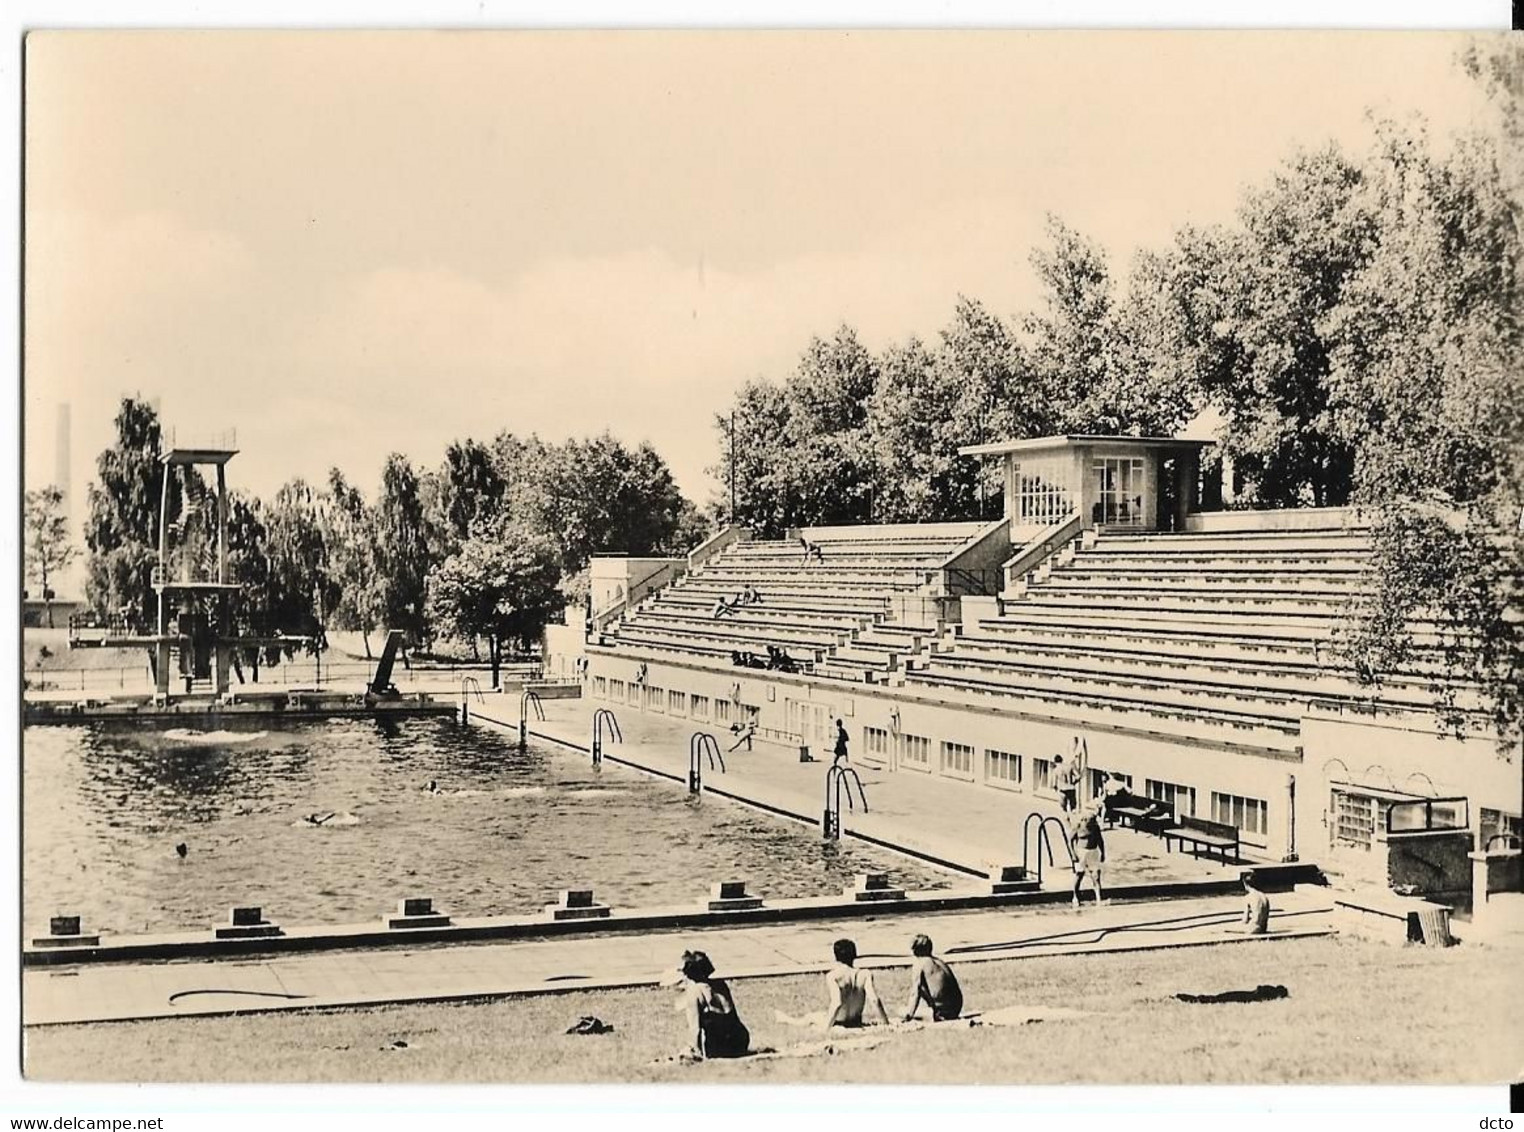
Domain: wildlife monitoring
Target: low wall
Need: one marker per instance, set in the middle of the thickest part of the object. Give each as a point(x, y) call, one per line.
point(1005, 725)
point(1287, 519)
point(563, 646)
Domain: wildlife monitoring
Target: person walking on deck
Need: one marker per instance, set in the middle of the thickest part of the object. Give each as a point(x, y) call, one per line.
point(839, 755)
point(1066, 775)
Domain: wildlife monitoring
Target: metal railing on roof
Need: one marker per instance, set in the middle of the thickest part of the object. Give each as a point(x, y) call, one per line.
point(222, 440)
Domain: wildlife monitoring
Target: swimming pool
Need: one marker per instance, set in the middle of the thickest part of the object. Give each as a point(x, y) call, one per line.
point(106, 805)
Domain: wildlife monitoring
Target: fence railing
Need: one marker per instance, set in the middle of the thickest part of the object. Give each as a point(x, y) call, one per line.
point(304, 671)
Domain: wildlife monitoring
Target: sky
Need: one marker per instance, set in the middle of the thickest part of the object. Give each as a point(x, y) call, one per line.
point(344, 244)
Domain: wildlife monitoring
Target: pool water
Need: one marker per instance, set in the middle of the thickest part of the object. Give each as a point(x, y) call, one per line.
point(106, 805)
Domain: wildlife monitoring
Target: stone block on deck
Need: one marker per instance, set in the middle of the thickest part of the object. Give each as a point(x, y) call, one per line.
point(1005, 879)
point(731, 896)
point(874, 886)
point(576, 904)
point(416, 912)
point(246, 923)
point(64, 931)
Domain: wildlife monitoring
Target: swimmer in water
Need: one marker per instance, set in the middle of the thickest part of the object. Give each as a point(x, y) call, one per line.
point(319, 819)
point(432, 787)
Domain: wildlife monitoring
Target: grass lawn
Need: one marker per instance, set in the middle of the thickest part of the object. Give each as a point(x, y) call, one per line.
point(1358, 1013)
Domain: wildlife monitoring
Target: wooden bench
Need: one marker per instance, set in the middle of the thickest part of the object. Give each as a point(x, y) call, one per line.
point(1203, 835)
point(1143, 814)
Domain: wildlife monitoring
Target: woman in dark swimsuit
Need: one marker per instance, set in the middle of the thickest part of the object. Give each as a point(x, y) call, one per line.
point(715, 1027)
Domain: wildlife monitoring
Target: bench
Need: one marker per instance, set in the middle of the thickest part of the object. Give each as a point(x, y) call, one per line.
point(1143, 814)
point(1203, 835)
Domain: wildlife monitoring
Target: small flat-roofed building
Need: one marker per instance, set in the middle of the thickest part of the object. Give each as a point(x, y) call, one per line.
point(1145, 483)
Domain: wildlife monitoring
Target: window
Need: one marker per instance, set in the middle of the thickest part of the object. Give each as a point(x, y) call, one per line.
point(1002, 767)
point(958, 760)
point(634, 692)
point(1119, 491)
point(749, 712)
point(1041, 501)
point(722, 711)
point(1183, 798)
point(1496, 823)
point(1043, 487)
point(677, 703)
point(656, 700)
point(1249, 815)
point(811, 722)
point(616, 691)
point(1354, 819)
point(700, 707)
point(1098, 781)
point(876, 742)
point(1042, 774)
point(601, 687)
point(916, 751)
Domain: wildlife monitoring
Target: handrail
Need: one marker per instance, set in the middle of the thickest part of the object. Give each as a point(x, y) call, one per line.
point(706, 550)
point(700, 744)
point(836, 776)
point(1041, 842)
point(525, 701)
point(972, 541)
point(1042, 545)
point(602, 618)
point(603, 719)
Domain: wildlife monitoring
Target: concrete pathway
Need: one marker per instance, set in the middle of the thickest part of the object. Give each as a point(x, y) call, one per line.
point(119, 992)
point(969, 825)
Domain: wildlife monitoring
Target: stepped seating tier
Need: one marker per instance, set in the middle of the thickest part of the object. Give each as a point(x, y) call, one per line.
point(831, 609)
point(1219, 626)
point(1094, 707)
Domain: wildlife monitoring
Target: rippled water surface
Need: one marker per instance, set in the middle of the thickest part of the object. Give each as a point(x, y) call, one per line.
point(105, 807)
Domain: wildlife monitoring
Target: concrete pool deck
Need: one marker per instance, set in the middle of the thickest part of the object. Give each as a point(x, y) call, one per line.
point(943, 821)
point(333, 980)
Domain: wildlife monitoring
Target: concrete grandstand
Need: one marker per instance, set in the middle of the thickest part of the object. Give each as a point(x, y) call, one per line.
point(1186, 651)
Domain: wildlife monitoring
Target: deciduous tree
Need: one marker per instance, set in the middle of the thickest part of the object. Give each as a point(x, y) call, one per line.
point(47, 546)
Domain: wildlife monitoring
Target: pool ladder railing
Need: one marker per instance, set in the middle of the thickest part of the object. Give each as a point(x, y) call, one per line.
point(604, 723)
point(526, 701)
point(837, 777)
point(469, 685)
point(701, 745)
point(1041, 841)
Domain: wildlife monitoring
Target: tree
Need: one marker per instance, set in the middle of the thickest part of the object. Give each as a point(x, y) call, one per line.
point(254, 607)
point(401, 549)
point(984, 390)
point(752, 457)
point(348, 530)
point(1254, 324)
point(1070, 344)
point(472, 486)
point(47, 545)
point(910, 470)
point(121, 530)
point(1426, 385)
point(502, 585)
point(301, 586)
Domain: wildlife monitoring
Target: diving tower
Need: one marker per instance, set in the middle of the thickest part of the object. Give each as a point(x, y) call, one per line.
point(192, 582)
